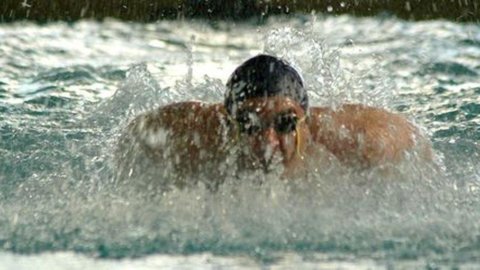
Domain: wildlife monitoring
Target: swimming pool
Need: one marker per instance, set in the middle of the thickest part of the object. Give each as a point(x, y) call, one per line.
point(67, 91)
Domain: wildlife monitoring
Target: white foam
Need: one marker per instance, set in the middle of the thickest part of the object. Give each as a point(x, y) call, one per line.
point(154, 137)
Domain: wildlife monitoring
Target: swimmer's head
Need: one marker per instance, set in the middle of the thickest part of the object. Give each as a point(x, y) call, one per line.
point(264, 76)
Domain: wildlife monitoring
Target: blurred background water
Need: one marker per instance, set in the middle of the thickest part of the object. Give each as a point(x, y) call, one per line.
point(68, 89)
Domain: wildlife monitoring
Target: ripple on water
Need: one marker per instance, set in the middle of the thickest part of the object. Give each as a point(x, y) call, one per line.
point(49, 101)
point(470, 42)
point(79, 74)
point(449, 68)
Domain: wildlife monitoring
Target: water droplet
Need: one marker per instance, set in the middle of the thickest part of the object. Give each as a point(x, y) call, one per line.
point(407, 6)
point(329, 8)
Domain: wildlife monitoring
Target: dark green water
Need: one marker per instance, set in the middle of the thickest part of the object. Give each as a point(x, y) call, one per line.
point(67, 91)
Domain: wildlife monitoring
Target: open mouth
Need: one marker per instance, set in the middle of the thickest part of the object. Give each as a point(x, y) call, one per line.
point(266, 160)
point(265, 164)
point(270, 163)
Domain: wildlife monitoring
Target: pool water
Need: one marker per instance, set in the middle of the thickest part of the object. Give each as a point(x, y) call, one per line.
point(68, 90)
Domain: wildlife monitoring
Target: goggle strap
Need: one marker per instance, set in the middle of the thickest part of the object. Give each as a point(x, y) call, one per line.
point(298, 137)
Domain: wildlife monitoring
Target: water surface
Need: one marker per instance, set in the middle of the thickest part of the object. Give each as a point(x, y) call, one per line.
point(68, 90)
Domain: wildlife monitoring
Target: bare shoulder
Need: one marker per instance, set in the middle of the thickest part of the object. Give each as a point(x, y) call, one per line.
point(170, 115)
point(181, 139)
point(193, 122)
point(368, 134)
point(359, 119)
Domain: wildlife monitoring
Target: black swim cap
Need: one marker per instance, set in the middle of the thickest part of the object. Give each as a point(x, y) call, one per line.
point(264, 76)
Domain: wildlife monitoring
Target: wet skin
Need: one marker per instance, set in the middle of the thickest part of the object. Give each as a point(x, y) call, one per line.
point(267, 132)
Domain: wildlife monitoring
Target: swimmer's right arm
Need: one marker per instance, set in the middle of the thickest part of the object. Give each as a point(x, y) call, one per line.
point(188, 131)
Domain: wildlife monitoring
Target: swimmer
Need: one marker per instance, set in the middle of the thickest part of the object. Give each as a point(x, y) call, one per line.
point(266, 122)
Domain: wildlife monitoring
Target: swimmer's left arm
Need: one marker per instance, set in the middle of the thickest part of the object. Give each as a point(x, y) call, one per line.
point(367, 136)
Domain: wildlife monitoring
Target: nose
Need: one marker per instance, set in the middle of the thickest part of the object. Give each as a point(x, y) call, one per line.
point(267, 144)
point(269, 138)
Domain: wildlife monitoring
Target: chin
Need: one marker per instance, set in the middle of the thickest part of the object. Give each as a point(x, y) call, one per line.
point(272, 162)
point(274, 165)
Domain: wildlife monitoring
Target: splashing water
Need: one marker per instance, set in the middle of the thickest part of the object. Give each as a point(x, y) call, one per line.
point(65, 104)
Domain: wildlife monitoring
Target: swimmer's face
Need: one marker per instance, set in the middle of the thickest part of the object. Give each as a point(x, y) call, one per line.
point(274, 129)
